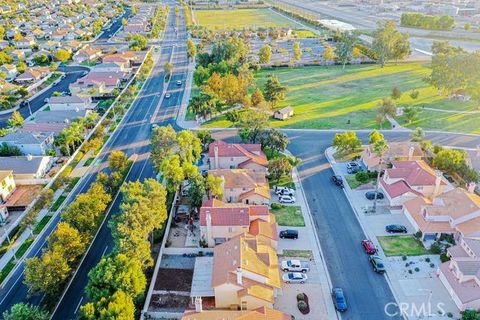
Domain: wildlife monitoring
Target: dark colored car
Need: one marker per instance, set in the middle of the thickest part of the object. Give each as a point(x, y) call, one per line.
point(377, 264)
point(396, 228)
point(370, 195)
point(339, 299)
point(353, 167)
point(369, 247)
point(288, 234)
point(337, 180)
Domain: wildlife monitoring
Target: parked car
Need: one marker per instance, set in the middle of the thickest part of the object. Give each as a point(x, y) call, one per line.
point(396, 228)
point(353, 167)
point(179, 83)
point(337, 180)
point(377, 264)
point(288, 234)
point(339, 299)
point(154, 125)
point(283, 191)
point(286, 199)
point(294, 277)
point(370, 195)
point(167, 96)
point(369, 247)
point(295, 266)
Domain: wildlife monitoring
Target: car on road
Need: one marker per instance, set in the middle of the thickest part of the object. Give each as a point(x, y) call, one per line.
point(154, 125)
point(294, 277)
point(179, 83)
point(339, 299)
point(46, 100)
point(396, 228)
point(286, 199)
point(295, 266)
point(370, 195)
point(377, 263)
point(369, 247)
point(167, 96)
point(353, 167)
point(284, 191)
point(337, 180)
point(288, 234)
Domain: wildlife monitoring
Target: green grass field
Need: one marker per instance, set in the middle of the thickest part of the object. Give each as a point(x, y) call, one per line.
point(290, 216)
point(329, 97)
point(401, 246)
point(242, 19)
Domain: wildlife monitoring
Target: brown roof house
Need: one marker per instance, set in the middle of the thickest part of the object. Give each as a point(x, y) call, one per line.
point(405, 151)
point(284, 113)
point(33, 74)
point(245, 274)
point(224, 155)
point(407, 180)
point(243, 185)
point(461, 275)
point(96, 84)
point(87, 54)
point(262, 313)
point(220, 221)
point(455, 212)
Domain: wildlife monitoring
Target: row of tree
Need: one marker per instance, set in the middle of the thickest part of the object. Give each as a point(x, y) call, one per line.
point(419, 20)
point(159, 20)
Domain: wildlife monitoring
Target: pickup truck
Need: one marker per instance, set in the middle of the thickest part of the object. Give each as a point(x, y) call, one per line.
point(295, 266)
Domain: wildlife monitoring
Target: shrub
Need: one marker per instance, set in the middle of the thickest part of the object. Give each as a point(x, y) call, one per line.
point(417, 269)
point(427, 259)
point(432, 265)
point(300, 297)
point(418, 234)
point(362, 177)
point(372, 174)
point(276, 206)
point(435, 248)
point(444, 257)
point(449, 314)
point(410, 271)
point(404, 258)
point(302, 305)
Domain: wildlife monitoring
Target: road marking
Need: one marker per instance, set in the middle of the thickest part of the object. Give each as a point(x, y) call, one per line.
point(105, 250)
point(78, 305)
point(8, 292)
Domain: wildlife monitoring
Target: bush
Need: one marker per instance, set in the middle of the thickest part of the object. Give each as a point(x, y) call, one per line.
point(302, 305)
point(417, 269)
point(362, 177)
point(404, 258)
point(276, 206)
point(300, 297)
point(432, 265)
point(427, 259)
point(435, 248)
point(444, 257)
point(372, 174)
point(418, 234)
point(449, 314)
point(410, 271)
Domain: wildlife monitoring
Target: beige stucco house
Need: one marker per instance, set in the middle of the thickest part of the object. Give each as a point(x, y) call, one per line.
point(245, 274)
point(220, 221)
point(461, 275)
point(222, 155)
point(7, 185)
point(403, 151)
point(262, 313)
point(407, 180)
point(243, 185)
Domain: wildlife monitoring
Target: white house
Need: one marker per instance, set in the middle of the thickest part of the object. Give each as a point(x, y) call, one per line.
point(33, 143)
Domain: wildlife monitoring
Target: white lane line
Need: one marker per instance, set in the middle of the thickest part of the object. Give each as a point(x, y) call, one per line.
point(104, 250)
point(78, 305)
point(8, 292)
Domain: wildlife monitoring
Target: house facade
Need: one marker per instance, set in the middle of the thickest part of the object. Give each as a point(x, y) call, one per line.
point(26, 168)
point(7, 185)
point(222, 155)
point(33, 143)
point(402, 151)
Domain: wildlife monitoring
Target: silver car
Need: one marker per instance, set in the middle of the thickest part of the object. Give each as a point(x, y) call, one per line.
point(294, 277)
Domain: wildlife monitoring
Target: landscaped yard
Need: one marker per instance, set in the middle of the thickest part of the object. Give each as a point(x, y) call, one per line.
point(327, 97)
point(58, 203)
point(306, 254)
point(290, 216)
point(41, 224)
point(401, 246)
point(242, 19)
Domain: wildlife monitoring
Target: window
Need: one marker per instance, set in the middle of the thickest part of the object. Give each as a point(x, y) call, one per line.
point(244, 305)
point(231, 229)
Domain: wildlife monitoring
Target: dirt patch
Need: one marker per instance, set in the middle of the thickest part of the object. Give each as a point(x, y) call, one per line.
point(162, 301)
point(174, 279)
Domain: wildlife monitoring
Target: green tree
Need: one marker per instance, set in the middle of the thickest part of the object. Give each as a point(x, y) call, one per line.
point(23, 311)
point(67, 241)
point(396, 93)
point(274, 91)
point(258, 100)
point(389, 43)
point(2, 32)
point(380, 147)
point(196, 190)
point(138, 42)
point(168, 67)
point(411, 113)
point(449, 160)
point(163, 141)
point(191, 49)
point(252, 123)
point(387, 108)
point(97, 26)
point(297, 51)
point(62, 55)
point(344, 47)
point(414, 94)
point(277, 168)
point(375, 136)
point(205, 137)
point(113, 273)
point(16, 120)
point(417, 135)
point(172, 171)
point(346, 142)
point(119, 306)
point(117, 161)
point(214, 186)
point(190, 147)
point(9, 151)
point(470, 315)
point(124, 22)
point(273, 139)
point(328, 53)
point(265, 54)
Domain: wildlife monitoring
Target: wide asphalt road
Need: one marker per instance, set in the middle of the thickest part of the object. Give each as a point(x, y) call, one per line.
point(133, 138)
point(338, 229)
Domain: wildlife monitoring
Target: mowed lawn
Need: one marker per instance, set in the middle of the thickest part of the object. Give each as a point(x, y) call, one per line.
point(331, 98)
point(242, 19)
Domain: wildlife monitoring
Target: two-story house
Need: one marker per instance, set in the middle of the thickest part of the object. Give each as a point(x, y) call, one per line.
point(407, 180)
point(33, 143)
point(243, 185)
point(403, 150)
point(7, 185)
point(461, 275)
point(222, 155)
point(455, 212)
point(220, 221)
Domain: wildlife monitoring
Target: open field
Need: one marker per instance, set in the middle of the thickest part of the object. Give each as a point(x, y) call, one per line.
point(329, 97)
point(401, 246)
point(243, 19)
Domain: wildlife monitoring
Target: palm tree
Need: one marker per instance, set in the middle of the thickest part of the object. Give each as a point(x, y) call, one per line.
point(379, 148)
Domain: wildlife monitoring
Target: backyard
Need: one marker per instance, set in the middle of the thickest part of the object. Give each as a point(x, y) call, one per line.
point(327, 97)
point(243, 19)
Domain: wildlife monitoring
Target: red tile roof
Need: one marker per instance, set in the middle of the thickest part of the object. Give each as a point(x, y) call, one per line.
point(252, 151)
point(397, 189)
point(230, 214)
point(415, 173)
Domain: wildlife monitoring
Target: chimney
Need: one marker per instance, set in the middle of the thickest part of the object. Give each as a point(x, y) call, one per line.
point(215, 150)
point(471, 187)
point(438, 183)
point(410, 152)
point(239, 276)
point(198, 304)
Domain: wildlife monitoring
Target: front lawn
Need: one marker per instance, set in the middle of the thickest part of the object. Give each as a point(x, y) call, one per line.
point(306, 254)
point(327, 97)
point(58, 203)
point(401, 246)
point(242, 19)
point(41, 224)
point(290, 216)
point(89, 161)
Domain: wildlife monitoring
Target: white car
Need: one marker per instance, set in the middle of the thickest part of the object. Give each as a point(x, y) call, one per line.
point(167, 96)
point(295, 266)
point(284, 191)
point(294, 277)
point(179, 83)
point(286, 199)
